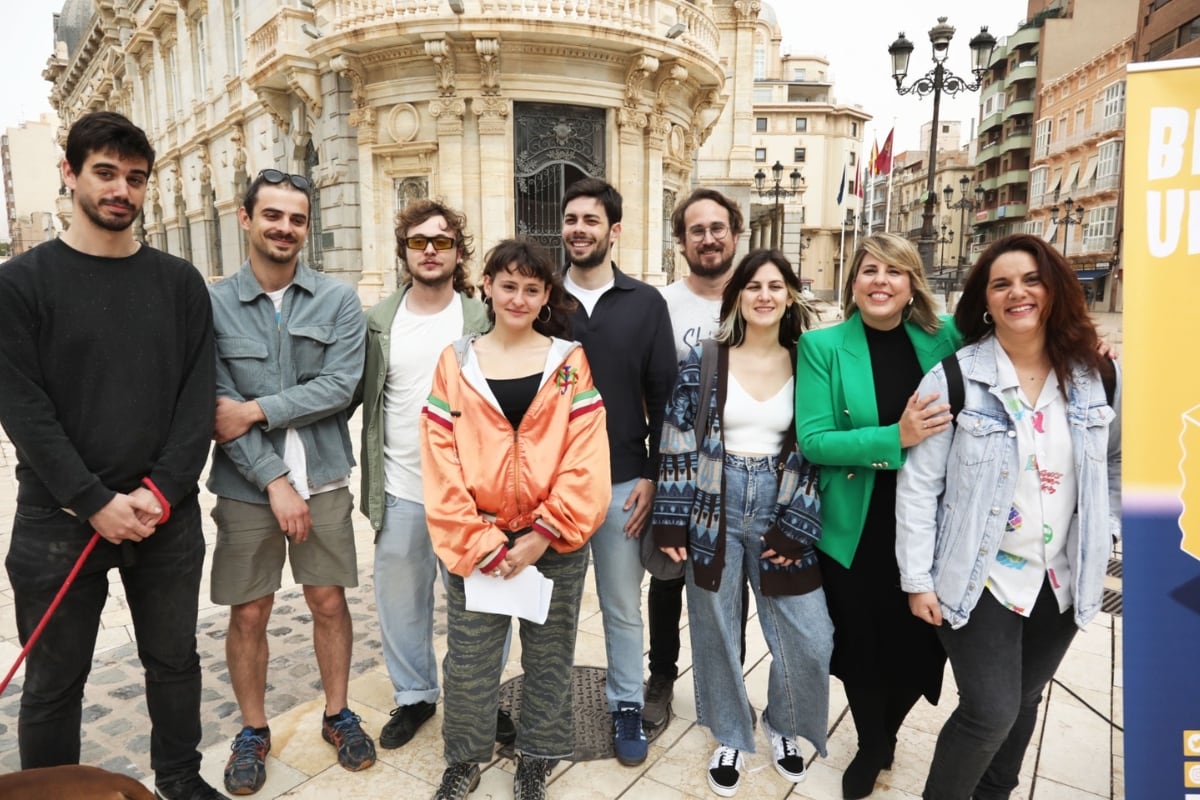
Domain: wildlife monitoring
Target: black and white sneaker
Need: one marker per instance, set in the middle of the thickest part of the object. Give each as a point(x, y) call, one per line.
point(725, 771)
point(788, 761)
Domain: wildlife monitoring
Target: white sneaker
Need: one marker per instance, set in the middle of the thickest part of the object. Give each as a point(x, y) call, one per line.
point(788, 761)
point(725, 771)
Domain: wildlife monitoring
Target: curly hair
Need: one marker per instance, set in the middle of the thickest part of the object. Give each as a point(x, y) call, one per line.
point(527, 258)
point(796, 319)
point(895, 251)
point(1071, 337)
point(419, 211)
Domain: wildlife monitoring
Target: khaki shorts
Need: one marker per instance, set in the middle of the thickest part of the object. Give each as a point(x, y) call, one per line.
point(250, 550)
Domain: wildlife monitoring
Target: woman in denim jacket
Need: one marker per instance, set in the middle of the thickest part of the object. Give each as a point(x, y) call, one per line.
point(1004, 523)
point(738, 503)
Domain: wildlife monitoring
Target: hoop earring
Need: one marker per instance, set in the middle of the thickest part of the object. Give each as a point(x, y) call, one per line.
point(987, 318)
point(549, 314)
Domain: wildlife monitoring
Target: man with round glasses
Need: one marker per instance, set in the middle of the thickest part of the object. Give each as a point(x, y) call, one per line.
point(289, 356)
point(406, 333)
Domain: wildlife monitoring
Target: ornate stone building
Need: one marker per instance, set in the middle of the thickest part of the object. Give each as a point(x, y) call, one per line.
point(493, 105)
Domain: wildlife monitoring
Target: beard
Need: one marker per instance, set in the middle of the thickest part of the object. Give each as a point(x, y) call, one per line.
point(705, 271)
point(96, 214)
point(595, 258)
point(432, 281)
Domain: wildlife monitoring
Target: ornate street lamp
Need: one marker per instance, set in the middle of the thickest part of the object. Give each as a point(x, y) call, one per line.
point(1072, 217)
point(938, 80)
point(963, 204)
point(778, 191)
point(946, 238)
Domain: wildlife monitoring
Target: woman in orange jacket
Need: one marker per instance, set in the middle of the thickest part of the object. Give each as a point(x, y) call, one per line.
point(515, 456)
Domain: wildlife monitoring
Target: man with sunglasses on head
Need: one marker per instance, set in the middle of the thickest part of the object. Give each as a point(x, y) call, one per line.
point(289, 356)
point(106, 387)
point(406, 333)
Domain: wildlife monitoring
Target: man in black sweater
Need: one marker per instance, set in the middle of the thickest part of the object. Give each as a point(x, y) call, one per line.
point(106, 387)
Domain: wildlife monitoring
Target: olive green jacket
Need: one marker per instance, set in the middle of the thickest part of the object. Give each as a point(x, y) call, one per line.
point(370, 392)
point(837, 422)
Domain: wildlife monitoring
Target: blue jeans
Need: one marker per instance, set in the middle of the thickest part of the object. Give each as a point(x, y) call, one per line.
point(162, 584)
point(797, 628)
point(618, 563)
point(405, 569)
point(1002, 662)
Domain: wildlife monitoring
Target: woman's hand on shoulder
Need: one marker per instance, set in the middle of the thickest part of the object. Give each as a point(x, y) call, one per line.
point(925, 607)
point(922, 419)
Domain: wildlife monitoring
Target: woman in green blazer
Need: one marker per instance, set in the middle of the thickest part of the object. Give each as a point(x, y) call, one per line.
point(856, 413)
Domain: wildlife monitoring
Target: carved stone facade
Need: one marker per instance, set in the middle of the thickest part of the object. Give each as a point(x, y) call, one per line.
point(379, 101)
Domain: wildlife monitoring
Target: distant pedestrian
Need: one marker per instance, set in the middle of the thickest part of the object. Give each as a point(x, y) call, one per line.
point(106, 390)
point(289, 357)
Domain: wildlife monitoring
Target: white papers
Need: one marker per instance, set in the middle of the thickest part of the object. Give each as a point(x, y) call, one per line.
point(526, 596)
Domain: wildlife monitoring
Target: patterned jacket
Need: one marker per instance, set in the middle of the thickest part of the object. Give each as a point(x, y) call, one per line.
point(688, 504)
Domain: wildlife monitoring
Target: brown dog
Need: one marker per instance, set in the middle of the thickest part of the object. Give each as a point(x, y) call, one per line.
point(71, 782)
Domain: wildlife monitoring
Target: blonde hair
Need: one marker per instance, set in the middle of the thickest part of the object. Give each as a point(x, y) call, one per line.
point(895, 251)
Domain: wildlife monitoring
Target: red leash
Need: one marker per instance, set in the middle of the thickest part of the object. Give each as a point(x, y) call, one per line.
point(87, 551)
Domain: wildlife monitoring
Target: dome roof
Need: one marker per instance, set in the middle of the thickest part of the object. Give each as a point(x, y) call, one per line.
point(73, 23)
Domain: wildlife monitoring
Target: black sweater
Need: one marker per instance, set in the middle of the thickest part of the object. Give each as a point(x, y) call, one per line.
point(106, 374)
point(630, 347)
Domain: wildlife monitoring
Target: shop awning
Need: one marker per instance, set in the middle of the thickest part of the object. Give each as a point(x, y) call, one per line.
point(1085, 275)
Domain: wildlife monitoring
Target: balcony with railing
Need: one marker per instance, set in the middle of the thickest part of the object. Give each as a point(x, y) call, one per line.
point(1019, 107)
point(1025, 71)
point(1017, 142)
point(633, 25)
point(1097, 244)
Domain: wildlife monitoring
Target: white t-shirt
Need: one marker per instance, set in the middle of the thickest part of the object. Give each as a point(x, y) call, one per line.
point(586, 297)
point(693, 318)
point(294, 456)
point(416, 342)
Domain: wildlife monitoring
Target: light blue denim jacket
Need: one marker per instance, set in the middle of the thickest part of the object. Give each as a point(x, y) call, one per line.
point(955, 490)
point(301, 370)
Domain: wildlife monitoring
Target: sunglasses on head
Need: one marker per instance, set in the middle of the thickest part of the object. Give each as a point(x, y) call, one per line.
point(422, 242)
point(274, 176)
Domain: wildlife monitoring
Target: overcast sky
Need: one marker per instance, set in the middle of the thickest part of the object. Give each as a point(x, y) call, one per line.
point(861, 69)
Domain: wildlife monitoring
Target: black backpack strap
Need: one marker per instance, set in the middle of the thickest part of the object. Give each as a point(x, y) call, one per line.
point(954, 385)
point(708, 376)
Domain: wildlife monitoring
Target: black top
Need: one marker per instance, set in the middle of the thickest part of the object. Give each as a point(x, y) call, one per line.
point(629, 345)
point(515, 394)
point(106, 374)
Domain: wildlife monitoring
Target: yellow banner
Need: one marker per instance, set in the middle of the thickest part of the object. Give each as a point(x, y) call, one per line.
point(1161, 259)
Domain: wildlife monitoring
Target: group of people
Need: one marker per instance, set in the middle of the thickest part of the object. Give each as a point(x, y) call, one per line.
point(892, 489)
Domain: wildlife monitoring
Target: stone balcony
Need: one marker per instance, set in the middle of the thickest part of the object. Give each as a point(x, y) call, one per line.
point(626, 25)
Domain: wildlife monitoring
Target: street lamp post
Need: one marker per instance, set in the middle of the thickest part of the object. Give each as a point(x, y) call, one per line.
point(805, 243)
point(778, 191)
point(1074, 216)
point(938, 80)
point(946, 238)
point(963, 204)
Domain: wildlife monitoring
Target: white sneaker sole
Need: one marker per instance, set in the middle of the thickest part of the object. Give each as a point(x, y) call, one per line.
point(723, 791)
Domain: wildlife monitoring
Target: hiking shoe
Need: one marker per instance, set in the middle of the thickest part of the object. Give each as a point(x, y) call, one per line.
point(506, 731)
point(458, 781)
point(246, 769)
point(659, 692)
point(788, 761)
point(192, 787)
point(529, 783)
point(403, 725)
point(725, 771)
point(629, 740)
point(355, 750)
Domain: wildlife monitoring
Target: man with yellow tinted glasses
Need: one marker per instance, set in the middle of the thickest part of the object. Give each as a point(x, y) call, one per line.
point(406, 333)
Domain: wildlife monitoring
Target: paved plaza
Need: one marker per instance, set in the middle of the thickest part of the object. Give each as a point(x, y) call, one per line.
point(1076, 753)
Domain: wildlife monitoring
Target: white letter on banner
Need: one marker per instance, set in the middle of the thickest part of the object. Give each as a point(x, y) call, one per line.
point(1168, 130)
point(1163, 243)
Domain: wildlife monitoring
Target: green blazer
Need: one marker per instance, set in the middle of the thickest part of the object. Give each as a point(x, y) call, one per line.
point(837, 422)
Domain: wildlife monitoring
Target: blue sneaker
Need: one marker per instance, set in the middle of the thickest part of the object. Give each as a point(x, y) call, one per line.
point(629, 740)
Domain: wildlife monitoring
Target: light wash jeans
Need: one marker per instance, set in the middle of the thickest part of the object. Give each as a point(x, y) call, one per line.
point(405, 568)
point(618, 563)
point(797, 628)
